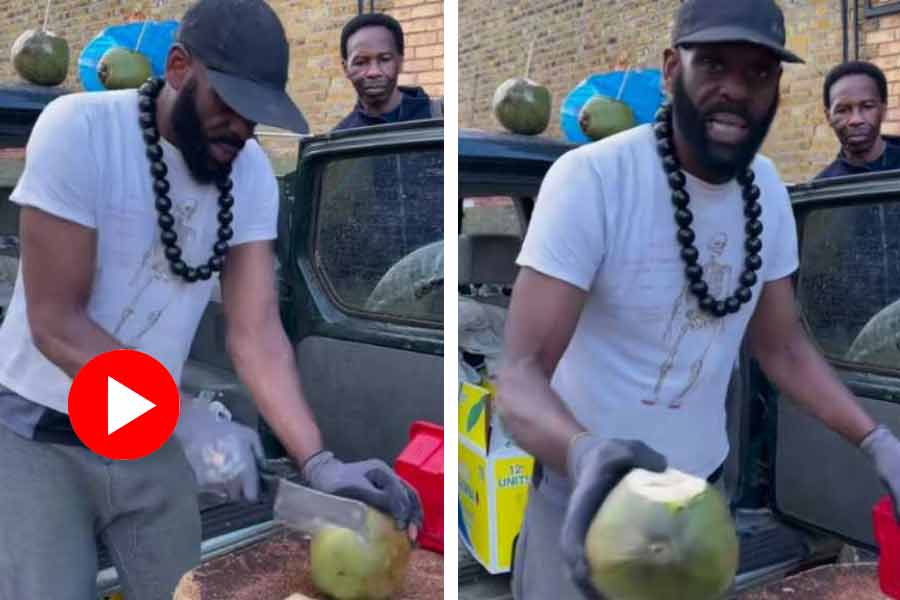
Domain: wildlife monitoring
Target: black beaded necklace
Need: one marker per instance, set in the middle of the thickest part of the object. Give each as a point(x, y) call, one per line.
point(147, 106)
point(683, 218)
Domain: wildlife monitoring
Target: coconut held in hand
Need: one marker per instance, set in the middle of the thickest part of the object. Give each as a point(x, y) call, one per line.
point(41, 57)
point(347, 567)
point(522, 106)
point(662, 536)
point(602, 117)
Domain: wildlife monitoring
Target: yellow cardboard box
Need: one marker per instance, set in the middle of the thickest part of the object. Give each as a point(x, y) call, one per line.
point(494, 475)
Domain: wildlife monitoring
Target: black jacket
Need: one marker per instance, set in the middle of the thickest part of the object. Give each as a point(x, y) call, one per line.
point(415, 105)
point(889, 160)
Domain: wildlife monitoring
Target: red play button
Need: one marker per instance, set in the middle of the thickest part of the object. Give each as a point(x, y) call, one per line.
point(123, 404)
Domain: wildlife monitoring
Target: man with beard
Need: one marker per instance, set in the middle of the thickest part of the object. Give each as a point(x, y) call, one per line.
point(372, 57)
point(131, 202)
point(596, 378)
point(855, 95)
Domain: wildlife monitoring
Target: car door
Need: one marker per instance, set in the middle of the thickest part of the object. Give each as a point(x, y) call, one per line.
point(848, 288)
point(362, 271)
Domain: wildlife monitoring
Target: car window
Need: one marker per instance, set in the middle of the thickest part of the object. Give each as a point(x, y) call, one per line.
point(849, 283)
point(490, 215)
point(379, 233)
point(12, 162)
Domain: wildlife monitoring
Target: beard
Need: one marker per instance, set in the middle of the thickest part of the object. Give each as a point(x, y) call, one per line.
point(720, 159)
point(193, 141)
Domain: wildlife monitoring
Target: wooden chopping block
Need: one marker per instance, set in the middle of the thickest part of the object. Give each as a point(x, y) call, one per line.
point(858, 581)
point(278, 567)
point(188, 588)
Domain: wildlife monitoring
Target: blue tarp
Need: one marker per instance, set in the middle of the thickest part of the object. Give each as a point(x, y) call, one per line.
point(643, 93)
point(155, 44)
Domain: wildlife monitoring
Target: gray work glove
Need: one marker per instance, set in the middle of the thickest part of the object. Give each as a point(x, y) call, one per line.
point(369, 481)
point(222, 454)
point(884, 449)
point(595, 465)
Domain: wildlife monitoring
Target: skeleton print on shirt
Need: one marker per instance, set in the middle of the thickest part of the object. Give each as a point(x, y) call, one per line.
point(154, 272)
point(691, 332)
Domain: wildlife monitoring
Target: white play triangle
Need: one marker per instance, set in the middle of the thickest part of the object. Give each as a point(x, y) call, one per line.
point(123, 405)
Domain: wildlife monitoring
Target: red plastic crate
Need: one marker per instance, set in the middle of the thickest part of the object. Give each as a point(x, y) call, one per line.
point(421, 464)
point(887, 534)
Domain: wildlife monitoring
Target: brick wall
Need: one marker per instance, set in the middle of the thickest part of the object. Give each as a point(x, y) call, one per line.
point(577, 38)
point(313, 28)
point(880, 41)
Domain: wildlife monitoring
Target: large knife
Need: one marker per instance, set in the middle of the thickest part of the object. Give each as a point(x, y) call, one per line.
point(308, 510)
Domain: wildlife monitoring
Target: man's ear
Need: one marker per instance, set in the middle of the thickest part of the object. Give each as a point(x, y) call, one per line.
point(344, 67)
point(671, 66)
point(178, 66)
point(827, 111)
point(399, 64)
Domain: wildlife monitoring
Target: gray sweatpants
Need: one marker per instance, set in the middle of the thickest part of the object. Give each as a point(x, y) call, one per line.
point(56, 499)
point(538, 569)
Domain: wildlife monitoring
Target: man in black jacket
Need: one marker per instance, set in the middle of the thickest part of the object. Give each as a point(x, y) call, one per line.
point(855, 96)
point(372, 56)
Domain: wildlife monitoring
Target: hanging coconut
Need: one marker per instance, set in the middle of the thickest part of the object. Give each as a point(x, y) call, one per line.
point(662, 536)
point(41, 57)
point(602, 117)
point(120, 68)
point(522, 106)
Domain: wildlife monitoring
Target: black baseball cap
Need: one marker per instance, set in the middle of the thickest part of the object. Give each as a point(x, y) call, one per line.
point(244, 48)
point(758, 22)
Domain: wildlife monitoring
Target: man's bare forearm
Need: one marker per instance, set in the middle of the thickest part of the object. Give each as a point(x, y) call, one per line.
point(69, 340)
point(534, 414)
point(799, 371)
point(266, 364)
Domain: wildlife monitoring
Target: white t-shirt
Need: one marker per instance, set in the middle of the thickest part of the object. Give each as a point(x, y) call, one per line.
point(644, 362)
point(86, 162)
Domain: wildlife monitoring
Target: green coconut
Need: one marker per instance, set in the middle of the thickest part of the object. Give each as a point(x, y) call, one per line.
point(602, 117)
point(347, 567)
point(662, 536)
point(522, 106)
point(120, 68)
point(41, 57)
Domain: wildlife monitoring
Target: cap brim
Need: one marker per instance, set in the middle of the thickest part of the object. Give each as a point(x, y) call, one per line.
point(738, 34)
point(258, 102)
